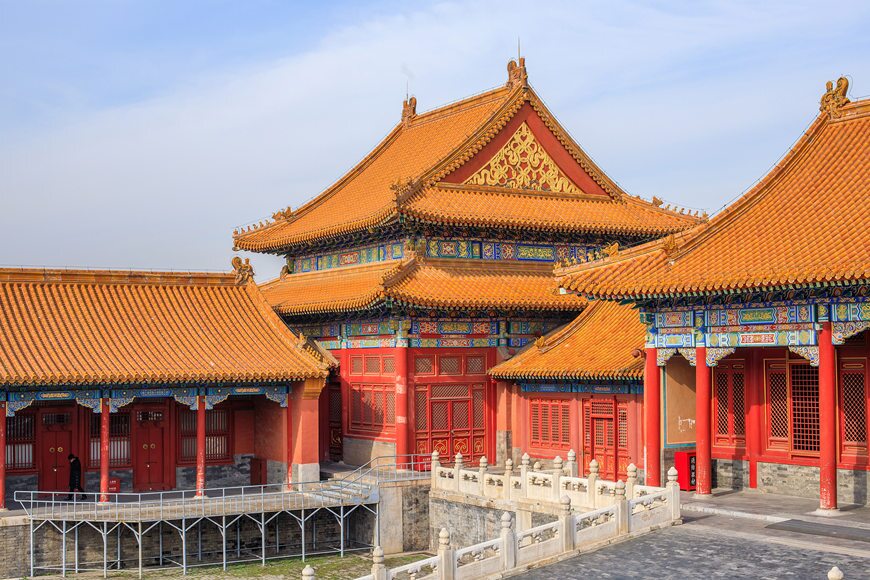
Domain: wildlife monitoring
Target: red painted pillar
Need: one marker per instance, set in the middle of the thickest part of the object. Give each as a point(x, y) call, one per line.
point(402, 428)
point(2, 455)
point(703, 465)
point(200, 445)
point(652, 387)
point(827, 421)
point(290, 437)
point(105, 418)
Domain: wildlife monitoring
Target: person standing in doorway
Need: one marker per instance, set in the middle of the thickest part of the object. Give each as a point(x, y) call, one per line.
point(75, 477)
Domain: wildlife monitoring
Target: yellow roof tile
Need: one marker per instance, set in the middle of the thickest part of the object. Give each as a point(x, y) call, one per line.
point(603, 342)
point(806, 222)
point(77, 327)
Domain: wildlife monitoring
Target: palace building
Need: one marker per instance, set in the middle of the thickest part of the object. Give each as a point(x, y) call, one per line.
point(432, 260)
point(757, 346)
point(155, 380)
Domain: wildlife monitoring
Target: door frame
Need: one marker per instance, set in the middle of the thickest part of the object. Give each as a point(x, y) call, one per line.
point(168, 441)
point(40, 437)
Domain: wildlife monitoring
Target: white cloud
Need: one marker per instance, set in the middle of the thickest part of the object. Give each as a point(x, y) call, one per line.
point(691, 105)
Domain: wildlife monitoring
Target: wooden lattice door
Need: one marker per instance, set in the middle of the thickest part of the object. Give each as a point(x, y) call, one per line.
point(55, 443)
point(451, 419)
point(605, 436)
point(336, 450)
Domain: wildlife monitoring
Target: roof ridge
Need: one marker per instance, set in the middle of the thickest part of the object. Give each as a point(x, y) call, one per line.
point(114, 276)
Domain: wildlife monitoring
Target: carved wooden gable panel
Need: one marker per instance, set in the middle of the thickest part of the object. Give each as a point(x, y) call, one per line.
point(522, 163)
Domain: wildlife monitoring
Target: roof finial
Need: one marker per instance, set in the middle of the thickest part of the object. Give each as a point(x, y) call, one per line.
point(835, 97)
point(243, 270)
point(409, 109)
point(517, 76)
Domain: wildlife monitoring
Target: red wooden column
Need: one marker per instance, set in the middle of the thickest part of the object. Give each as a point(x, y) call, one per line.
point(2, 455)
point(827, 421)
point(402, 430)
point(304, 426)
point(200, 445)
point(652, 387)
point(289, 437)
point(703, 386)
point(105, 418)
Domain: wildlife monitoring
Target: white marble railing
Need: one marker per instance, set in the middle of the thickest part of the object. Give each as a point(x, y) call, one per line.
point(534, 483)
point(572, 530)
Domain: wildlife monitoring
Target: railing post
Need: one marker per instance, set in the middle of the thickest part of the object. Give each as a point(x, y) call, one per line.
point(508, 543)
point(622, 511)
point(572, 463)
point(567, 520)
point(436, 463)
point(446, 559)
point(524, 470)
point(630, 480)
point(308, 573)
point(674, 489)
point(379, 570)
point(557, 476)
point(457, 470)
point(481, 474)
point(592, 488)
point(508, 474)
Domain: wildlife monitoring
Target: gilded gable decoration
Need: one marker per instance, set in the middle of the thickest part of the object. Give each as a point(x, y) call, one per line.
point(522, 163)
point(243, 269)
point(835, 97)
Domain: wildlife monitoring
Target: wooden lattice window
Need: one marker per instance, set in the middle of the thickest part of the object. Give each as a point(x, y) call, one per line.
point(356, 365)
point(550, 421)
point(475, 365)
point(729, 404)
point(217, 436)
point(805, 407)
point(450, 365)
point(777, 405)
point(853, 405)
point(389, 365)
point(20, 442)
point(373, 408)
point(373, 365)
point(119, 440)
point(622, 427)
point(424, 365)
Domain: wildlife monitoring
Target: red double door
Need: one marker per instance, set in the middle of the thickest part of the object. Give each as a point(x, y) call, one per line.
point(55, 443)
point(150, 462)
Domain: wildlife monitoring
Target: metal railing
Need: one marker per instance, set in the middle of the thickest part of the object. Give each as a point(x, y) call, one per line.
point(359, 486)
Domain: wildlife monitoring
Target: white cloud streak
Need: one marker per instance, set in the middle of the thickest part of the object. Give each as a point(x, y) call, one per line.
point(688, 104)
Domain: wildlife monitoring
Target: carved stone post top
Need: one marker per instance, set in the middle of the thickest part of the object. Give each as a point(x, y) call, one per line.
point(308, 572)
point(835, 574)
point(378, 555)
point(572, 455)
point(506, 521)
point(484, 463)
point(672, 475)
point(508, 465)
point(557, 462)
point(458, 459)
point(435, 456)
point(631, 470)
point(593, 466)
point(526, 459)
point(620, 488)
point(565, 503)
point(443, 538)
point(537, 466)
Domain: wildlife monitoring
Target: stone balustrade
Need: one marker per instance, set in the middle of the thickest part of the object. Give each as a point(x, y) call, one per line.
point(531, 482)
point(572, 530)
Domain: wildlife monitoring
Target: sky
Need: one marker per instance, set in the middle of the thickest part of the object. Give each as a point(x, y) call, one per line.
point(139, 134)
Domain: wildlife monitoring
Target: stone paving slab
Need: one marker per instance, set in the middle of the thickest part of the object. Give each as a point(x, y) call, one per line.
point(705, 548)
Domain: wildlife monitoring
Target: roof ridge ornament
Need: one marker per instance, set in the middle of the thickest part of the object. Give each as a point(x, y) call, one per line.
point(409, 110)
point(517, 74)
point(835, 97)
point(243, 270)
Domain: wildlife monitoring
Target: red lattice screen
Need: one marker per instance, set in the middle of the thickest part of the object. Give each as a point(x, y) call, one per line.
point(777, 399)
point(217, 435)
point(20, 440)
point(729, 404)
point(119, 440)
point(722, 403)
point(805, 407)
point(738, 393)
point(373, 408)
point(853, 405)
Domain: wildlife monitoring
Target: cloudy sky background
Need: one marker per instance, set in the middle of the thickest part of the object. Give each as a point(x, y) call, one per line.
point(139, 134)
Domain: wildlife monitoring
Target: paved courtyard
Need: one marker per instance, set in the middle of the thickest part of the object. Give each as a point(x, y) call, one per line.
point(709, 546)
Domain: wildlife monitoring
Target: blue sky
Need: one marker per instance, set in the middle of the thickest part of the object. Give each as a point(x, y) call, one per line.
point(138, 134)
